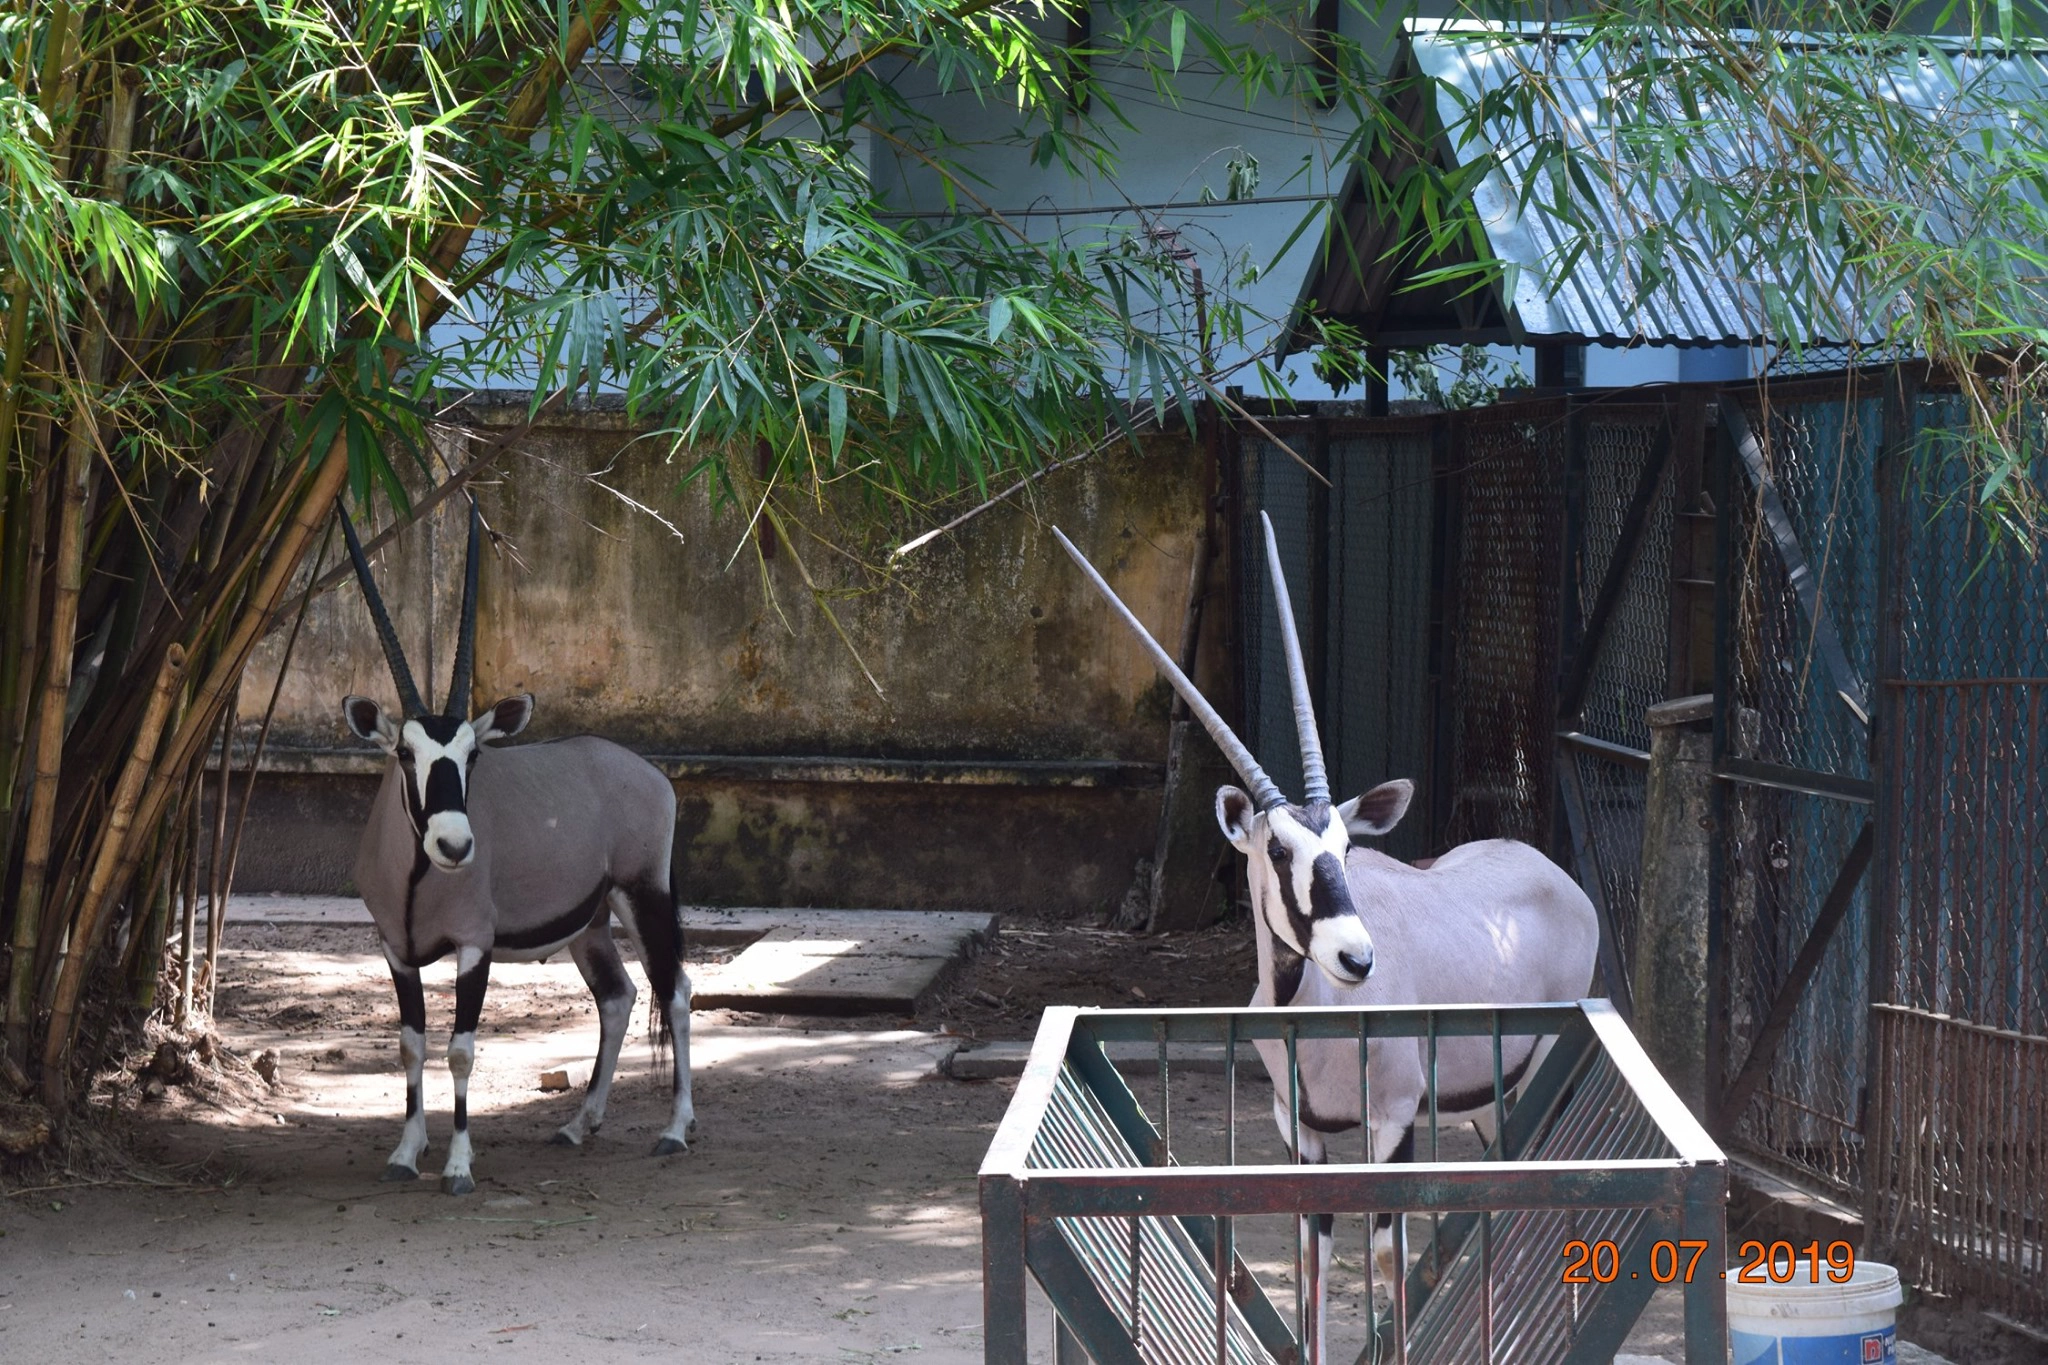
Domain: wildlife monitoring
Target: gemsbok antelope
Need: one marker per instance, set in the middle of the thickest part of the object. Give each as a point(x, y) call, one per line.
point(1492, 922)
point(512, 855)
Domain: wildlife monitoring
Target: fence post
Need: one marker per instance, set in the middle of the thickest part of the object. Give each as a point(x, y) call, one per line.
point(1668, 979)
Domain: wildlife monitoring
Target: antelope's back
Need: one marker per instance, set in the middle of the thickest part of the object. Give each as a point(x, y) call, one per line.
point(569, 812)
point(1493, 920)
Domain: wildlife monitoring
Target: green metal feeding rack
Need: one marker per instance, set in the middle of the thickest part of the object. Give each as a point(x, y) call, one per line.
point(1082, 1187)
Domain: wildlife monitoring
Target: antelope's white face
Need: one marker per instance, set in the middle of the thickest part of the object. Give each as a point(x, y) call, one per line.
point(1296, 857)
point(435, 755)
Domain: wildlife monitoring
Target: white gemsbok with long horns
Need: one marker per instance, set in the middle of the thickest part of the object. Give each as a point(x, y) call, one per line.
point(1492, 923)
point(511, 855)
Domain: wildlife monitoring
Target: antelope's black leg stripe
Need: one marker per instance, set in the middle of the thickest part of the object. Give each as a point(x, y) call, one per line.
point(1404, 1152)
point(469, 994)
point(469, 1007)
point(412, 1014)
point(412, 1001)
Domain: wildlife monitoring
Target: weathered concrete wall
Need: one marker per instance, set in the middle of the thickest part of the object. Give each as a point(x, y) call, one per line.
point(1010, 759)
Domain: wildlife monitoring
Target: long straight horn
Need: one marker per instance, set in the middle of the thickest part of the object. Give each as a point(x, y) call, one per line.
point(1314, 777)
point(465, 637)
point(408, 694)
point(1264, 794)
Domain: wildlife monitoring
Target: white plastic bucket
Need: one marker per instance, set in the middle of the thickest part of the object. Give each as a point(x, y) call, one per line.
point(1803, 1323)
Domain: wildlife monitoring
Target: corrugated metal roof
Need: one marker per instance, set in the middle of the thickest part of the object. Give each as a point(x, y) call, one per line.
point(1502, 91)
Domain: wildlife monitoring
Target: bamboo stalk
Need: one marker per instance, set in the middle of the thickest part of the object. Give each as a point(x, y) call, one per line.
point(22, 599)
point(116, 860)
point(35, 863)
point(190, 887)
point(79, 443)
point(217, 903)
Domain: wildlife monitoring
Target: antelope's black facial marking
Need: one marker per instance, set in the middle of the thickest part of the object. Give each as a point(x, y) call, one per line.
point(1310, 908)
point(440, 729)
point(436, 754)
point(1328, 892)
point(444, 787)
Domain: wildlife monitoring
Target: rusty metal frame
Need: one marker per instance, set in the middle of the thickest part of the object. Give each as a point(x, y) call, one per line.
point(1682, 1195)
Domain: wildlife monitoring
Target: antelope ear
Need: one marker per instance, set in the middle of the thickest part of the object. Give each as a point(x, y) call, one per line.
point(1379, 810)
point(1234, 814)
point(504, 719)
point(369, 721)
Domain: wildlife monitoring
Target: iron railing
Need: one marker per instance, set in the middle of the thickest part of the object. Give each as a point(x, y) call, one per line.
point(1149, 1227)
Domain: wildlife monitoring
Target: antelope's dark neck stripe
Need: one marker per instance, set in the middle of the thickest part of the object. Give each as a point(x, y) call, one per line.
point(412, 886)
point(1287, 970)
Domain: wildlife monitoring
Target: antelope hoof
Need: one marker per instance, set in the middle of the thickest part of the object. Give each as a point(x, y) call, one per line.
point(394, 1171)
point(562, 1139)
point(669, 1146)
point(457, 1184)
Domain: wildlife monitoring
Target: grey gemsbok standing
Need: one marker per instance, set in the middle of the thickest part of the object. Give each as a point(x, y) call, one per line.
point(1489, 923)
point(511, 855)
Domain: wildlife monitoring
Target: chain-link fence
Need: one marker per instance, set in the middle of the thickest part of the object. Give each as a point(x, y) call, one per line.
point(1277, 481)
point(1800, 649)
point(1958, 1132)
point(1378, 721)
point(1510, 468)
point(1493, 600)
point(1619, 656)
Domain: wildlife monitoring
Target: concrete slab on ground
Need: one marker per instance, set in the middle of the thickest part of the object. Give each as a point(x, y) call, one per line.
point(793, 961)
point(844, 962)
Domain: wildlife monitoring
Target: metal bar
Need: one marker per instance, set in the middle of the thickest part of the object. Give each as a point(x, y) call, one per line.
point(1213, 1237)
point(1687, 1136)
point(1003, 1303)
point(1093, 1322)
point(1401, 1309)
point(1195, 1025)
point(1119, 1191)
point(1833, 910)
point(1618, 1305)
point(1827, 642)
point(1719, 802)
point(1572, 696)
point(1372, 1313)
point(1137, 1261)
point(1613, 973)
point(1066, 1347)
point(1012, 1144)
point(1607, 749)
point(1543, 1095)
point(1805, 781)
point(1165, 1101)
point(1294, 1154)
point(1958, 684)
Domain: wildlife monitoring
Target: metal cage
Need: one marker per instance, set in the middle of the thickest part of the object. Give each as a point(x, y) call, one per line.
point(1127, 1218)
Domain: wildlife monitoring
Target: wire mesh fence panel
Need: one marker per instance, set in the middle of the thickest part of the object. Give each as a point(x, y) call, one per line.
point(1803, 646)
point(1971, 788)
point(1628, 650)
point(1956, 1153)
point(1820, 458)
point(1279, 484)
point(1783, 852)
point(1959, 1134)
point(1631, 663)
point(1502, 669)
point(1378, 712)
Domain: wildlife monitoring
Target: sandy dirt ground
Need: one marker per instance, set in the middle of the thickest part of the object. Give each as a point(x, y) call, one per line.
point(825, 1212)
